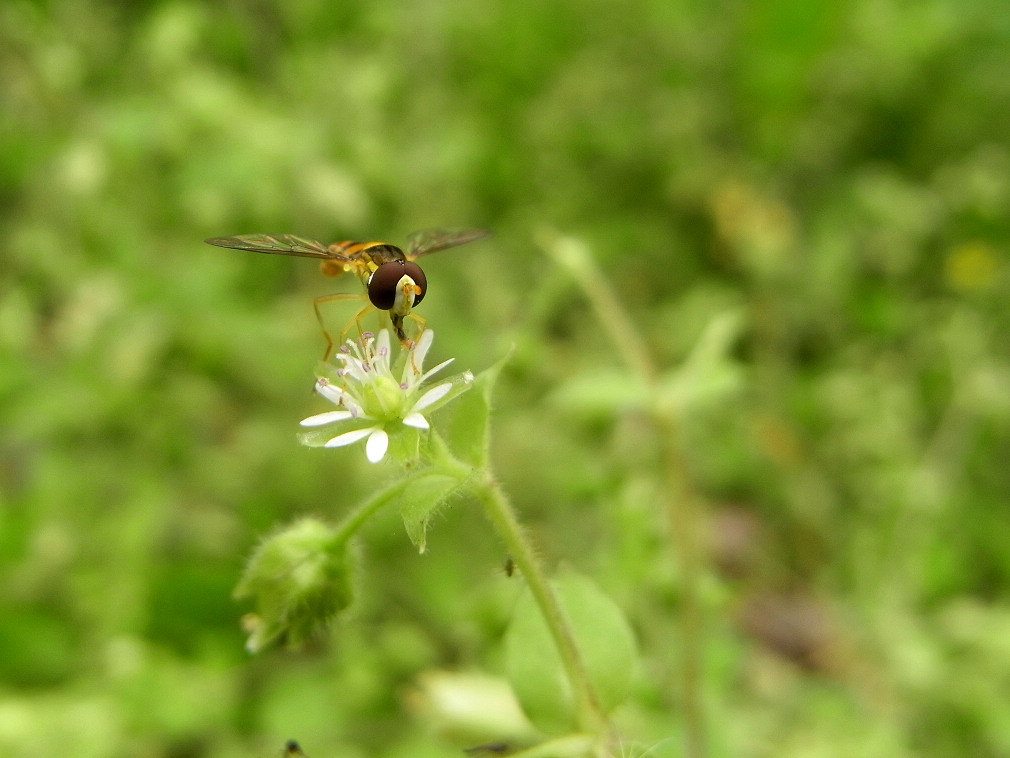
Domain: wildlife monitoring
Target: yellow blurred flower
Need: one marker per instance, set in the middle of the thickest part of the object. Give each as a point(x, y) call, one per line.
point(971, 266)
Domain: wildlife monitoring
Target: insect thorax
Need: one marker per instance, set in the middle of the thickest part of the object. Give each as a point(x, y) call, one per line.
point(382, 252)
point(363, 258)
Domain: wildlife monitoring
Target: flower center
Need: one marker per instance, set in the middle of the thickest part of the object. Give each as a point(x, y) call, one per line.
point(383, 398)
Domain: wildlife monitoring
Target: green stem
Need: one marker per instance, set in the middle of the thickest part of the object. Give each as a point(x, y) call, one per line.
point(684, 512)
point(575, 257)
point(684, 506)
point(503, 517)
point(354, 520)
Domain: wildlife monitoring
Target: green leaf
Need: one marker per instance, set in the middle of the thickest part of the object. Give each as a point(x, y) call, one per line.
point(602, 392)
point(605, 642)
point(421, 499)
point(466, 431)
point(709, 375)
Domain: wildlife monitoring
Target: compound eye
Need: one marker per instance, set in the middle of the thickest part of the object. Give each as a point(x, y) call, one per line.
point(414, 271)
point(382, 284)
point(384, 281)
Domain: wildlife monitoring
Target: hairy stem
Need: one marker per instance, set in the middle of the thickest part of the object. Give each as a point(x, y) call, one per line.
point(354, 520)
point(500, 512)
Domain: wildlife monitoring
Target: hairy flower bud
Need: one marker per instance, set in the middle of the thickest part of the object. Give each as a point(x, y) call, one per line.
point(299, 579)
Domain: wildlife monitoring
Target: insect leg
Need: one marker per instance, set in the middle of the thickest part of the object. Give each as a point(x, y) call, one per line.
point(406, 343)
point(421, 323)
point(338, 297)
point(357, 322)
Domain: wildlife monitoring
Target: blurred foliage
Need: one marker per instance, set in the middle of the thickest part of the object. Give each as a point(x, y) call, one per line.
point(837, 176)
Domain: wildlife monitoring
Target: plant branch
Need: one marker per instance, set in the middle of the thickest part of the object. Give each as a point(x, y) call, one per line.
point(500, 512)
point(683, 505)
point(354, 520)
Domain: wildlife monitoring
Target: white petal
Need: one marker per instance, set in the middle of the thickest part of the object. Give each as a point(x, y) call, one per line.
point(329, 417)
point(439, 367)
point(351, 403)
point(330, 392)
point(357, 370)
point(380, 360)
point(349, 438)
point(416, 420)
point(431, 396)
point(341, 397)
point(421, 349)
point(375, 448)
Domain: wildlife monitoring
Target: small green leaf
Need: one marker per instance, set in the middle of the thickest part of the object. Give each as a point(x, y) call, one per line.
point(466, 431)
point(602, 392)
point(421, 499)
point(709, 375)
point(404, 443)
point(603, 637)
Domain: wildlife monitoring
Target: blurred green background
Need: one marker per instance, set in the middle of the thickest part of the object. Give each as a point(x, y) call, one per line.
point(835, 175)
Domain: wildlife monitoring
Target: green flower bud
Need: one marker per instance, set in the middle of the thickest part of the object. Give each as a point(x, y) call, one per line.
point(299, 579)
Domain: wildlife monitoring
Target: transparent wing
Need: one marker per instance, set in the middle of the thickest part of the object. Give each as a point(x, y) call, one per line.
point(432, 240)
point(278, 244)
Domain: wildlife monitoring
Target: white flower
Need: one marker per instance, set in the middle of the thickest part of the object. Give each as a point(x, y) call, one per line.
point(366, 390)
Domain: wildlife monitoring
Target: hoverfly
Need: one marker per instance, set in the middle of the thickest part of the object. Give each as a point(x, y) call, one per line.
point(394, 283)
